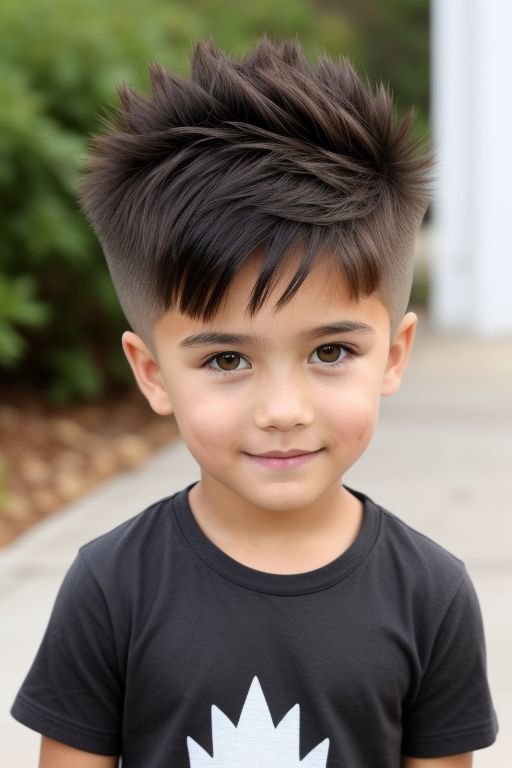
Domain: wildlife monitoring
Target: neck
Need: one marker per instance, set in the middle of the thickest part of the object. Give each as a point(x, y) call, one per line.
point(229, 520)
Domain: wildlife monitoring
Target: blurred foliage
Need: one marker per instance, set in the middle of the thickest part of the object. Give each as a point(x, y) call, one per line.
point(60, 60)
point(17, 307)
point(391, 43)
point(420, 288)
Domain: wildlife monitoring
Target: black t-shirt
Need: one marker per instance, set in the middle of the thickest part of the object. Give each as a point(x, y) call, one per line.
point(165, 650)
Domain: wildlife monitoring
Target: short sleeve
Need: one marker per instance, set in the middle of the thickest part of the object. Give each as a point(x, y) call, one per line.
point(73, 692)
point(453, 711)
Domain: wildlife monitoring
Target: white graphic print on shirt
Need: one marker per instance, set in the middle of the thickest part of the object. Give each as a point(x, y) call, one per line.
point(255, 741)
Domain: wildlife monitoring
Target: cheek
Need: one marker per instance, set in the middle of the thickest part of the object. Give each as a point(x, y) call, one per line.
point(355, 418)
point(207, 423)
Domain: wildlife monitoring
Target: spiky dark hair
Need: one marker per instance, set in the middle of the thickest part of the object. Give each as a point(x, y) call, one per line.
point(269, 153)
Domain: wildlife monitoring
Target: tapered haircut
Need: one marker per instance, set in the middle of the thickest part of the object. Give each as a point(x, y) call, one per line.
point(267, 153)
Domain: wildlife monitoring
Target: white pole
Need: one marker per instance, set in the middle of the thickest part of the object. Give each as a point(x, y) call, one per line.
point(492, 312)
point(471, 106)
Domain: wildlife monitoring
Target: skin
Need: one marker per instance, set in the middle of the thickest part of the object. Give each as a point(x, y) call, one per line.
point(279, 393)
point(452, 761)
point(284, 392)
point(53, 754)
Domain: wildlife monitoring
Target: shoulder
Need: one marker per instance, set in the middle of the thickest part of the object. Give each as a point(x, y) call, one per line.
point(424, 590)
point(417, 547)
point(414, 568)
point(134, 544)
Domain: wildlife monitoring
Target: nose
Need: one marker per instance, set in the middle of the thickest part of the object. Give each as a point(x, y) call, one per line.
point(283, 402)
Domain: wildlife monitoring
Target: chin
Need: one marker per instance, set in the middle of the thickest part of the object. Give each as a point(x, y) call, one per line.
point(283, 496)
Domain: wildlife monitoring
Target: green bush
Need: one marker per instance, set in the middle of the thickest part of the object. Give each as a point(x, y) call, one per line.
point(17, 307)
point(60, 321)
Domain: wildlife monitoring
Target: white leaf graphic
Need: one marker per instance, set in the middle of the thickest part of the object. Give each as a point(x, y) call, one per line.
point(254, 742)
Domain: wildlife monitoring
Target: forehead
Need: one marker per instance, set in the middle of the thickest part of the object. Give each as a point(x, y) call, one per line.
point(323, 297)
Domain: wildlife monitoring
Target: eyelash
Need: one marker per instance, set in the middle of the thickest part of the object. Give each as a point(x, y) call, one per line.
point(350, 353)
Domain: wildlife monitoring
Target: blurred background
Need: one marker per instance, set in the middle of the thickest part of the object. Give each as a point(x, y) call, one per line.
point(62, 368)
point(70, 413)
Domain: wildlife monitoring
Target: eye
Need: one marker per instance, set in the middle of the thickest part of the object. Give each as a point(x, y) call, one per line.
point(229, 360)
point(332, 353)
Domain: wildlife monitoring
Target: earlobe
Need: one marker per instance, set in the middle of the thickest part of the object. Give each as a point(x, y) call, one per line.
point(146, 372)
point(399, 352)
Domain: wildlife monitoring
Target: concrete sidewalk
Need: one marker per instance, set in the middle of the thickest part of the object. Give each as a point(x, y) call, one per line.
point(441, 459)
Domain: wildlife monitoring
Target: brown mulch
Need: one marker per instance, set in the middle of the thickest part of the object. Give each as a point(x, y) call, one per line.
point(50, 456)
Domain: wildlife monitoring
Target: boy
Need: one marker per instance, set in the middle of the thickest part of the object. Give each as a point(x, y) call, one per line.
point(259, 223)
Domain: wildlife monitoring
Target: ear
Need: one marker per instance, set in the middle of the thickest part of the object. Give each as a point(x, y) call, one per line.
point(399, 352)
point(147, 373)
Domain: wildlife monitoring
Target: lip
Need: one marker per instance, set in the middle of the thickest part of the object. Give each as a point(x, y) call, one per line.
point(283, 462)
point(283, 454)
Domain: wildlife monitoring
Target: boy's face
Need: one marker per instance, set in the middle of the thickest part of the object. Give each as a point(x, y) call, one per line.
point(283, 388)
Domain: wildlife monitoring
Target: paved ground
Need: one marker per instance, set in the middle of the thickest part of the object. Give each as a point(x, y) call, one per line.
point(441, 459)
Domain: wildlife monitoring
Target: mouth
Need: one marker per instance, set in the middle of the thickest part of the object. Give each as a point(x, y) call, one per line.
point(284, 454)
point(288, 460)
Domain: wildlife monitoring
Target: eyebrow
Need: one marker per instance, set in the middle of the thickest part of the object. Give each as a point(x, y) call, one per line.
point(216, 337)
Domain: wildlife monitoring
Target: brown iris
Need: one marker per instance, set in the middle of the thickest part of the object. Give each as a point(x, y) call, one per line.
point(232, 360)
point(331, 351)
